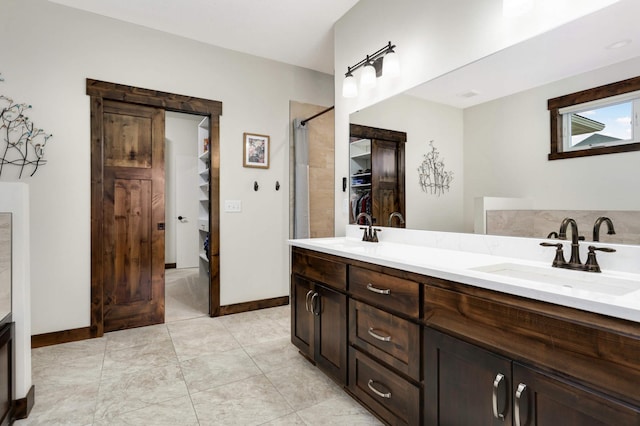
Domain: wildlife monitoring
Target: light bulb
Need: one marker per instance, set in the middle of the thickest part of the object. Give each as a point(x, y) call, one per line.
point(391, 64)
point(349, 87)
point(368, 77)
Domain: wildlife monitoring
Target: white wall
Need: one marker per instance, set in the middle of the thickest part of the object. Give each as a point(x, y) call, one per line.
point(507, 142)
point(47, 53)
point(181, 139)
point(424, 121)
point(432, 37)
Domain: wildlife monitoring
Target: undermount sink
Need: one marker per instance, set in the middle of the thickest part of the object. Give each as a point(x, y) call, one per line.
point(565, 280)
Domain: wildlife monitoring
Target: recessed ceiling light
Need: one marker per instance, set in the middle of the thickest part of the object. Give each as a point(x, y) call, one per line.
point(619, 44)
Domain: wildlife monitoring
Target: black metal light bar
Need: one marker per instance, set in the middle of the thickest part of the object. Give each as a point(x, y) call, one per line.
point(371, 58)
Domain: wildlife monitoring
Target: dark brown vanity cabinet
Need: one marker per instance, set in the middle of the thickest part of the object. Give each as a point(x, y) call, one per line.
point(467, 385)
point(319, 311)
point(384, 344)
point(6, 373)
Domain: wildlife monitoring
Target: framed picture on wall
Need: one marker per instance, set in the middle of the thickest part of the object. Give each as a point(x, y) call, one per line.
point(256, 151)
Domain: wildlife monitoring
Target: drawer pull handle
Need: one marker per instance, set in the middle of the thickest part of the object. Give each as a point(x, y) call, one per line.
point(375, 335)
point(377, 392)
point(519, 393)
point(496, 385)
point(370, 287)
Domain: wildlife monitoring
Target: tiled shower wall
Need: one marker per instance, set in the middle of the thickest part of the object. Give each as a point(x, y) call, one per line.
point(539, 223)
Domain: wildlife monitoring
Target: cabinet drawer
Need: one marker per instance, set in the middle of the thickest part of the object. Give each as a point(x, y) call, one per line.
point(319, 268)
point(385, 291)
point(389, 338)
point(394, 399)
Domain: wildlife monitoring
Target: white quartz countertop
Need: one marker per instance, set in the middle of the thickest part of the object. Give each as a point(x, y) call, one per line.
point(611, 293)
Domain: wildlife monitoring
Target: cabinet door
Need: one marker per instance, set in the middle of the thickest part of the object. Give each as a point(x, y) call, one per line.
point(464, 384)
point(546, 401)
point(330, 309)
point(302, 319)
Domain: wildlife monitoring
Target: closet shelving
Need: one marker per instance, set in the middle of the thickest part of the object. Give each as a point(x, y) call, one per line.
point(204, 160)
point(359, 170)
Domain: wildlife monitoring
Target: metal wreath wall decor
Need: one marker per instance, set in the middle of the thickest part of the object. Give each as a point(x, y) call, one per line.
point(432, 176)
point(21, 142)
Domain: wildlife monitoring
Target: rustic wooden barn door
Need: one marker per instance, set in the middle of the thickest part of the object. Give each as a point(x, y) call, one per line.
point(133, 215)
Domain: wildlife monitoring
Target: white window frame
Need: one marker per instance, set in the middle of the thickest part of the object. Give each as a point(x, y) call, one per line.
point(566, 113)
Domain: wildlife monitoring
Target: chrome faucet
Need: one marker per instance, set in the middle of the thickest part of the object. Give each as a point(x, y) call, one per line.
point(574, 261)
point(398, 215)
point(591, 264)
point(370, 234)
point(598, 223)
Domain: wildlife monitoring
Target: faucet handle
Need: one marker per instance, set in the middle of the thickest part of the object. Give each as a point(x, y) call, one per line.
point(558, 261)
point(365, 236)
point(374, 237)
point(592, 263)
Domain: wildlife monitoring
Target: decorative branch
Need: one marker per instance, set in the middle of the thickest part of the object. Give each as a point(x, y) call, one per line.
point(432, 177)
point(22, 144)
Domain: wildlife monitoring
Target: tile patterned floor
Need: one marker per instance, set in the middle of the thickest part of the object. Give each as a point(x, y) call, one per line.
point(194, 370)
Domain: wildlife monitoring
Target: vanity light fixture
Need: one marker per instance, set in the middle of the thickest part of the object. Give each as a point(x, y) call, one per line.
point(515, 8)
point(382, 62)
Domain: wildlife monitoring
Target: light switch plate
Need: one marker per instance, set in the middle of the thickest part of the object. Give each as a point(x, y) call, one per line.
point(233, 206)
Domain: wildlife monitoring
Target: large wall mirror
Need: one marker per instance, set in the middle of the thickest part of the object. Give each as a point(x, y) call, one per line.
point(490, 125)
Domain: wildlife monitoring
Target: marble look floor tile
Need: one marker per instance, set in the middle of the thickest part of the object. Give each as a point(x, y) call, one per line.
point(137, 358)
point(200, 336)
point(217, 369)
point(122, 339)
point(252, 401)
point(341, 410)
point(127, 392)
point(303, 385)
point(185, 295)
point(81, 371)
point(67, 351)
point(274, 354)
point(67, 405)
point(250, 331)
point(178, 411)
point(288, 420)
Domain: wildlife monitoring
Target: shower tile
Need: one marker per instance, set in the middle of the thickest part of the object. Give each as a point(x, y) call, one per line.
point(218, 369)
point(252, 401)
point(200, 336)
point(127, 392)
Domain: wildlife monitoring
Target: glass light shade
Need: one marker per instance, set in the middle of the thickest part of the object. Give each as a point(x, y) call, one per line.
point(514, 8)
point(368, 77)
point(390, 64)
point(349, 87)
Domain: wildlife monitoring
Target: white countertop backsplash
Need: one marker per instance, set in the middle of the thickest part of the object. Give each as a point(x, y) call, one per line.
point(455, 256)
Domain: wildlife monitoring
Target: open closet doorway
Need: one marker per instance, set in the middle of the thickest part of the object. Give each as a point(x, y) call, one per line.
point(186, 216)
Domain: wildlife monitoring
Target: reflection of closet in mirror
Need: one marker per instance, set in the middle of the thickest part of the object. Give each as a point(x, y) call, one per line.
point(376, 174)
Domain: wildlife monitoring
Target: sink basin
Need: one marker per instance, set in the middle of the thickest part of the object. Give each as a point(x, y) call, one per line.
point(566, 280)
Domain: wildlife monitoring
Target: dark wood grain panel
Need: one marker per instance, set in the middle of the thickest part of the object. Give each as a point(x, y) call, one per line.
point(331, 332)
point(214, 216)
point(368, 132)
point(402, 349)
point(254, 305)
point(319, 267)
point(599, 358)
point(402, 404)
point(58, 337)
point(403, 296)
point(24, 405)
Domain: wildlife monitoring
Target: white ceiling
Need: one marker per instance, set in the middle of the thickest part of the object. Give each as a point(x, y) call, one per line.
point(574, 48)
point(296, 32)
point(300, 32)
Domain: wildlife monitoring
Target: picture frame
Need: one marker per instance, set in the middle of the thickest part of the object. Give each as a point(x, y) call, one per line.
point(256, 150)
